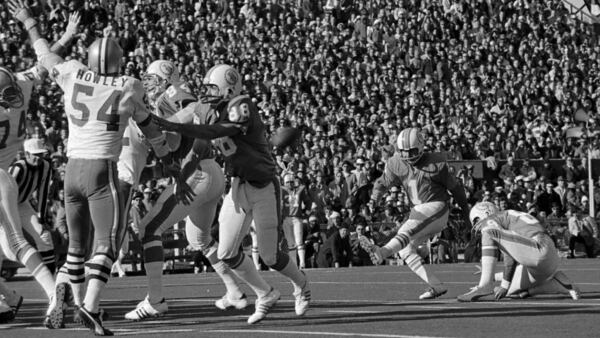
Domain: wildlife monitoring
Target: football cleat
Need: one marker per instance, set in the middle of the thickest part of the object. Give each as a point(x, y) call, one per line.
point(475, 293)
point(55, 316)
point(432, 293)
point(574, 293)
point(226, 303)
point(93, 321)
point(146, 310)
point(302, 300)
point(373, 250)
point(262, 306)
point(6, 312)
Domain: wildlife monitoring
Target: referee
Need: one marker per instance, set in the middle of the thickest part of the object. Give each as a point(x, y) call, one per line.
point(33, 175)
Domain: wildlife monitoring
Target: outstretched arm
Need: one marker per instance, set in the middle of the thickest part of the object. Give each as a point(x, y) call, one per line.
point(207, 132)
point(60, 46)
point(46, 58)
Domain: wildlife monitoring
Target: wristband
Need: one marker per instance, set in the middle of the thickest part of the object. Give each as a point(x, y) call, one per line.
point(29, 23)
point(505, 284)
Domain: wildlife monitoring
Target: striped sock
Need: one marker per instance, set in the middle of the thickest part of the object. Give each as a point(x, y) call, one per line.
point(415, 263)
point(231, 284)
point(33, 261)
point(248, 273)
point(99, 271)
point(399, 242)
point(76, 270)
point(49, 260)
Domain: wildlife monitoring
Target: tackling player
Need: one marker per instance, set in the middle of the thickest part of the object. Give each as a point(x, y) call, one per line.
point(530, 257)
point(426, 179)
point(167, 95)
point(234, 124)
point(15, 94)
point(98, 103)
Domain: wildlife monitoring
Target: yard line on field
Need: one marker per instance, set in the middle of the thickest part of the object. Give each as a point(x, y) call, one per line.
point(354, 311)
point(144, 332)
point(319, 333)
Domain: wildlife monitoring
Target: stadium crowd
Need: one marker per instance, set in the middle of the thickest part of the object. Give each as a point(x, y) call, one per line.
point(484, 80)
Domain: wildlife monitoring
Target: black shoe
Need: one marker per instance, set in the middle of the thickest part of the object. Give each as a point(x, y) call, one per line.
point(93, 321)
point(7, 316)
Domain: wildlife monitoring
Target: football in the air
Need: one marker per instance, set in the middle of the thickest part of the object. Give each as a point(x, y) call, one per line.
point(285, 136)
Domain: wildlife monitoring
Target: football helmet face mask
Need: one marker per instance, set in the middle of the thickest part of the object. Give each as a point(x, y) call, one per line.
point(104, 57)
point(159, 75)
point(410, 145)
point(11, 95)
point(481, 211)
point(221, 83)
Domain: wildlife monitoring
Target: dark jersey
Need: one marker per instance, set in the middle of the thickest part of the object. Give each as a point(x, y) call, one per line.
point(426, 181)
point(244, 145)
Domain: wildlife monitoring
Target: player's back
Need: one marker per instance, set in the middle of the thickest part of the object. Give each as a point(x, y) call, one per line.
point(426, 181)
point(515, 221)
point(98, 108)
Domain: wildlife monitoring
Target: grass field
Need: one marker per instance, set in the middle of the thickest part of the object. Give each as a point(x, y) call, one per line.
point(355, 302)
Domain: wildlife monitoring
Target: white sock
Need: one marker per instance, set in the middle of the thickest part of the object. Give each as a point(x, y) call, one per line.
point(488, 263)
point(292, 272)
point(248, 273)
point(232, 286)
point(293, 256)
point(302, 256)
point(415, 263)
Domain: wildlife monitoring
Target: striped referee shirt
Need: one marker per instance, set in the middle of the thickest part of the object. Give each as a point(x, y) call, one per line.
point(33, 179)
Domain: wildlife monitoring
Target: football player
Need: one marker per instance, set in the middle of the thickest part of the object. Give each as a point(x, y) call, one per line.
point(427, 181)
point(233, 122)
point(98, 103)
point(530, 257)
point(167, 94)
point(15, 95)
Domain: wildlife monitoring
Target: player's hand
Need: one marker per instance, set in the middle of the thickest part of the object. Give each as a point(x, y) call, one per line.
point(73, 24)
point(500, 292)
point(183, 192)
point(19, 10)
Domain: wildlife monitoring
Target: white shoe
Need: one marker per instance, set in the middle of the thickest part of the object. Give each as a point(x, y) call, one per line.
point(574, 293)
point(226, 302)
point(373, 250)
point(302, 300)
point(432, 293)
point(146, 310)
point(475, 293)
point(262, 306)
point(55, 316)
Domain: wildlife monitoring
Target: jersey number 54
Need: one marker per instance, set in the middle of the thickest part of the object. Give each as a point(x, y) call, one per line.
point(108, 112)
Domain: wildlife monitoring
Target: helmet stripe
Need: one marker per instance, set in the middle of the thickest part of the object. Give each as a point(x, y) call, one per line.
point(102, 56)
point(413, 131)
point(407, 140)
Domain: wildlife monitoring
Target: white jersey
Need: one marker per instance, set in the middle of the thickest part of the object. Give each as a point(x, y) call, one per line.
point(12, 120)
point(98, 108)
point(133, 155)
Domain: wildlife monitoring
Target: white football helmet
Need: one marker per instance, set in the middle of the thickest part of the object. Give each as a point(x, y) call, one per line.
point(481, 211)
point(159, 75)
point(411, 144)
point(221, 83)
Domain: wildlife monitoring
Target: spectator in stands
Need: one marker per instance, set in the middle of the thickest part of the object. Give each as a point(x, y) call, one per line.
point(581, 232)
point(336, 251)
point(548, 198)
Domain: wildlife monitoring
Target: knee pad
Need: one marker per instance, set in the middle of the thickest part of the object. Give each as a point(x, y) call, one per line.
point(234, 261)
point(281, 261)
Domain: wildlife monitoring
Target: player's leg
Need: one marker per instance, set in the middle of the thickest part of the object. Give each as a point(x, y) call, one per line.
point(299, 240)
point(234, 224)
point(265, 204)
point(11, 222)
point(254, 250)
point(11, 297)
point(126, 194)
point(288, 232)
point(197, 229)
point(105, 210)
point(41, 236)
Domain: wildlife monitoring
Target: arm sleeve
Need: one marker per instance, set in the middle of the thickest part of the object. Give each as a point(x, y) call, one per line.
point(210, 132)
point(35, 74)
point(185, 115)
point(47, 59)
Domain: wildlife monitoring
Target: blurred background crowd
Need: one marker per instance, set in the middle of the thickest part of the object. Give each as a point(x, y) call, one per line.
point(492, 81)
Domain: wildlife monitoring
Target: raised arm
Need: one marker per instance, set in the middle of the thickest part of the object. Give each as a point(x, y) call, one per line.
point(46, 58)
point(206, 132)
